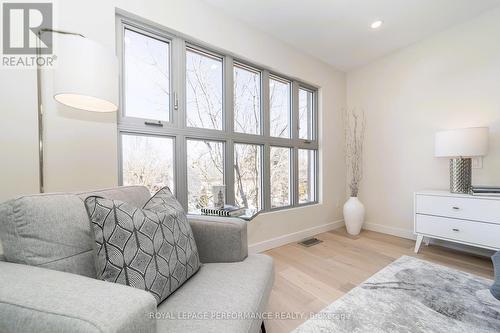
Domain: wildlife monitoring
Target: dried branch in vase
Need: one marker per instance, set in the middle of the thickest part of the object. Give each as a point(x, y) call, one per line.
point(354, 133)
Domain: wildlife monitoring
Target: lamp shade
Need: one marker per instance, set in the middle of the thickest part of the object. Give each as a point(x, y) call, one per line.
point(85, 74)
point(463, 142)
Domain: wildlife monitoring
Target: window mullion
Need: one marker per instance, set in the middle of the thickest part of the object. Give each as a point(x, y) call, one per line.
point(295, 136)
point(295, 110)
point(265, 104)
point(229, 171)
point(179, 83)
point(228, 111)
point(181, 170)
point(266, 178)
point(266, 160)
point(178, 115)
point(295, 176)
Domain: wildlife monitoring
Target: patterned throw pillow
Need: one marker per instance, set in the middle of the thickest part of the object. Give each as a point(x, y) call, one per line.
point(188, 261)
point(145, 249)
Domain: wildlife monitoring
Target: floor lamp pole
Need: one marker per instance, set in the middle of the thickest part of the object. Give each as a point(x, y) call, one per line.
point(40, 114)
point(40, 104)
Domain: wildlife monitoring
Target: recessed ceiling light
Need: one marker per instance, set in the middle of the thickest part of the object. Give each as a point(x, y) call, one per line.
point(377, 24)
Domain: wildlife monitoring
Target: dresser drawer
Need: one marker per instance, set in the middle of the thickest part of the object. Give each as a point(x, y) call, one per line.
point(474, 233)
point(485, 210)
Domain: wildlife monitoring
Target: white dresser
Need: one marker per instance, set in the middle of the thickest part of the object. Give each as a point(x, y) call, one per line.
point(459, 218)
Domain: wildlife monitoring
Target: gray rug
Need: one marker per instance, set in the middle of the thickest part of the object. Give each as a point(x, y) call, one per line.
point(412, 295)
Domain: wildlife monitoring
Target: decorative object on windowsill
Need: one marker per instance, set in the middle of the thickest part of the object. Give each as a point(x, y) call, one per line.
point(219, 195)
point(354, 132)
point(225, 211)
point(85, 78)
point(460, 145)
point(487, 191)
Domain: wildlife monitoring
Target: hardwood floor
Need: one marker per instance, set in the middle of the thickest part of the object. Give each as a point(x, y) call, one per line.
point(309, 279)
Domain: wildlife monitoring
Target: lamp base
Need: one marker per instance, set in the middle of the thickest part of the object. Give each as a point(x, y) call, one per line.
point(460, 175)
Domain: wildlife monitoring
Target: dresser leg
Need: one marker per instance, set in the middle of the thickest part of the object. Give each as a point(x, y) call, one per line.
point(427, 240)
point(418, 243)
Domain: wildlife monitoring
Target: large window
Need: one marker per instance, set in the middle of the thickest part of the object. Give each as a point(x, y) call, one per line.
point(193, 117)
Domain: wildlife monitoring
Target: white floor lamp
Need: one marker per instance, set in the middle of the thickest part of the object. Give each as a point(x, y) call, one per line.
point(85, 78)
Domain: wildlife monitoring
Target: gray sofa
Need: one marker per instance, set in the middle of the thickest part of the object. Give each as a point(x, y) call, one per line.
point(40, 294)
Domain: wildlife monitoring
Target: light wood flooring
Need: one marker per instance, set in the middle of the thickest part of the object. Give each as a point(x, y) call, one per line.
point(309, 279)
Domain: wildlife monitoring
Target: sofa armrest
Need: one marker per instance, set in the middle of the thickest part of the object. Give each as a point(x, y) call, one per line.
point(34, 299)
point(220, 239)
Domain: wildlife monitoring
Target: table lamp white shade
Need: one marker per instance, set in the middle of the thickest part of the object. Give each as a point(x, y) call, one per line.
point(85, 74)
point(463, 142)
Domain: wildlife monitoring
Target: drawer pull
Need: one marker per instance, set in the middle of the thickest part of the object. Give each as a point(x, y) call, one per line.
point(455, 229)
point(455, 208)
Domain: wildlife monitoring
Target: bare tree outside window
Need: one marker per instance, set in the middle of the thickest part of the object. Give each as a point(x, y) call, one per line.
point(307, 171)
point(203, 90)
point(279, 108)
point(205, 163)
point(280, 177)
point(247, 104)
point(305, 114)
point(248, 175)
point(148, 161)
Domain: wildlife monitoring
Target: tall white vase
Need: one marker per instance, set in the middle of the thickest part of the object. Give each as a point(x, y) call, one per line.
point(354, 215)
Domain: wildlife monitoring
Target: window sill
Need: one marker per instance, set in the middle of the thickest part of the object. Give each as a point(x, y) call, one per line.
point(247, 218)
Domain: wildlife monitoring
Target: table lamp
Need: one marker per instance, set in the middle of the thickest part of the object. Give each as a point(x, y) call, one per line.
point(460, 145)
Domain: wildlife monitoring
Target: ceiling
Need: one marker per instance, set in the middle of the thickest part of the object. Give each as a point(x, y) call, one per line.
point(338, 31)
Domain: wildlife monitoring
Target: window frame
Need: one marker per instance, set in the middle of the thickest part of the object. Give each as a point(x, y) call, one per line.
point(224, 156)
point(250, 68)
point(315, 159)
point(261, 148)
point(180, 132)
point(314, 113)
point(284, 80)
point(188, 46)
point(154, 34)
point(291, 185)
point(154, 135)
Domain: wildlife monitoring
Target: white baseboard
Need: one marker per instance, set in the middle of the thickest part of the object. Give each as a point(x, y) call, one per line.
point(293, 237)
point(399, 232)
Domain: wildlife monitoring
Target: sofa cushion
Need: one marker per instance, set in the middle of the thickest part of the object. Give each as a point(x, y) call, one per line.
point(142, 248)
point(217, 291)
point(52, 230)
point(38, 300)
point(495, 288)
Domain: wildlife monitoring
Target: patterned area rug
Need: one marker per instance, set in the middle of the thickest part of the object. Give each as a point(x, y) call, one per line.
point(412, 295)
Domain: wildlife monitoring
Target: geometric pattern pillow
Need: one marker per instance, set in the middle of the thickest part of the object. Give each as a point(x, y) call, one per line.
point(174, 217)
point(135, 247)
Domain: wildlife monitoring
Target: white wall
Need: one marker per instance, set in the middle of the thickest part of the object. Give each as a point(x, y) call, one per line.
point(449, 80)
point(81, 150)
